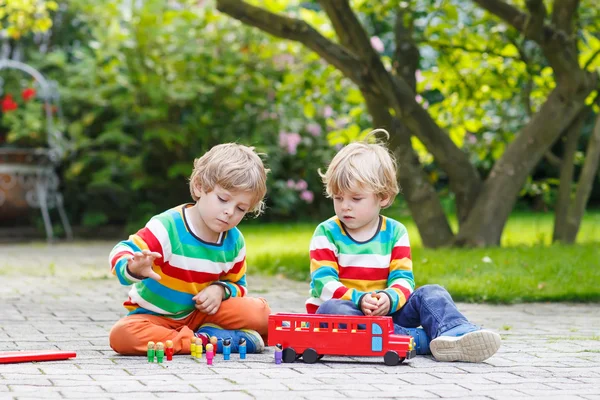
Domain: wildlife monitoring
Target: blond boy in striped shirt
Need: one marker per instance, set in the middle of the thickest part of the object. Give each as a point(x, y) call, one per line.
point(360, 261)
point(187, 266)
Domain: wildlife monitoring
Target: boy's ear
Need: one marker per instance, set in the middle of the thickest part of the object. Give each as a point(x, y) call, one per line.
point(197, 190)
point(384, 201)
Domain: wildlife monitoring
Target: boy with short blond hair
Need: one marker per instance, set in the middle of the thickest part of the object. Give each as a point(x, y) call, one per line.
point(361, 262)
point(187, 266)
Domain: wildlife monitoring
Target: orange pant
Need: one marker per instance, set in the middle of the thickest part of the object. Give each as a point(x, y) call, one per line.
point(131, 334)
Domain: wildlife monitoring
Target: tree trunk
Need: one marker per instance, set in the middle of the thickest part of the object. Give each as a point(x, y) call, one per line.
point(567, 168)
point(500, 191)
point(422, 199)
point(586, 182)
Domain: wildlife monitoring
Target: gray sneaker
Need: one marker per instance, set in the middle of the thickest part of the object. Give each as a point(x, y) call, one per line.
point(471, 347)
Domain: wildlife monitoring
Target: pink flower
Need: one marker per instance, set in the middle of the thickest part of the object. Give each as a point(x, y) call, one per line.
point(291, 184)
point(314, 129)
point(289, 141)
point(341, 122)
point(418, 98)
point(301, 185)
point(307, 196)
point(327, 111)
point(419, 76)
point(377, 44)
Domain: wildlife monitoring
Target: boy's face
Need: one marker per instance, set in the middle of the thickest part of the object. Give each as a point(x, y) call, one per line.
point(359, 211)
point(220, 209)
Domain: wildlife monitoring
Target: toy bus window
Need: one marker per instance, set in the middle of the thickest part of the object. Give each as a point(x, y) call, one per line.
point(284, 325)
point(376, 329)
point(376, 339)
point(302, 326)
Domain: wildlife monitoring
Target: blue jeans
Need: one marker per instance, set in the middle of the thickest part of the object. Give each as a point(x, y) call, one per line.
point(430, 306)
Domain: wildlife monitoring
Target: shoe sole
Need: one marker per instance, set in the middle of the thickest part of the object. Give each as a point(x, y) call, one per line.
point(471, 347)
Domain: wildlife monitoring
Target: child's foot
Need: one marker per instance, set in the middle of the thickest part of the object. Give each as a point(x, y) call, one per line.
point(474, 346)
point(254, 343)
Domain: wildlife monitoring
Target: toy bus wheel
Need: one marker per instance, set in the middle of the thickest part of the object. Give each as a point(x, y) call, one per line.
point(289, 355)
point(391, 358)
point(310, 356)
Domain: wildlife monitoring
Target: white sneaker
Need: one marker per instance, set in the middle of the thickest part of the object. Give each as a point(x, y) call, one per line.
point(471, 347)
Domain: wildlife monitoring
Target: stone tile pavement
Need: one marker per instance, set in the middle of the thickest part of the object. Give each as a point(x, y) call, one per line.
point(62, 297)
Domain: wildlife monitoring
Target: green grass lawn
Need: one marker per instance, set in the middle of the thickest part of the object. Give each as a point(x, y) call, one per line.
point(527, 268)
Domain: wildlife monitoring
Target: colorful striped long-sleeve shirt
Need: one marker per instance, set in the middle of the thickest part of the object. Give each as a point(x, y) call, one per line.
point(342, 268)
point(187, 266)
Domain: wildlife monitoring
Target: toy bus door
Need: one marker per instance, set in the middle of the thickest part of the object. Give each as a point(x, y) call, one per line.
point(376, 338)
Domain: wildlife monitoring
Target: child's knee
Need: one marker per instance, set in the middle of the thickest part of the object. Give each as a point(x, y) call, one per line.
point(120, 337)
point(259, 318)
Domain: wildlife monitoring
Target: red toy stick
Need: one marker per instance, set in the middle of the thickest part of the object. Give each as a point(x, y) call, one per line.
point(7, 357)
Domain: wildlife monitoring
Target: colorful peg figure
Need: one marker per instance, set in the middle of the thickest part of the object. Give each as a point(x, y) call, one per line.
point(226, 349)
point(278, 353)
point(169, 350)
point(209, 354)
point(193, 346)
point(242, 348)
point(198, 348)
point(160, 352)
point(151, 352)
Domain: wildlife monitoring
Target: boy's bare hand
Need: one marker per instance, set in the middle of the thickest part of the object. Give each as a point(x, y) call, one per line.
point(383, 305)
point(141, 264)
point(209, 299)
point(368, 304)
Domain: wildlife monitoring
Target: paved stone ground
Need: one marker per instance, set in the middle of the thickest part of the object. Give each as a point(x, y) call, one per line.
point(62, 297)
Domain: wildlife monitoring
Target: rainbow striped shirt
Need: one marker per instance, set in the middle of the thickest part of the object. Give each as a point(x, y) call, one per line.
point(187, 266)
point(342, 268)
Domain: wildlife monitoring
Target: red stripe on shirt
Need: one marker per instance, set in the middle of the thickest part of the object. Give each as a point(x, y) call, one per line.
point(364, 273)
point(404, 290)
point(117, 256)
point(186, 275)
point(151, 241)
point(400, 252)
point(323, 255)
point(311, 308)
point(339, 292)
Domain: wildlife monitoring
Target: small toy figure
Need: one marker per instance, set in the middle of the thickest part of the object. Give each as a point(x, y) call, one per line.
point(278, 353)
point(209, 354)
point(215, 342)
point(198, 348)
point(193, 346)
point(242, 348)
point(160, 352)
point(169, 350)
point(151, 351)
point(226, 349)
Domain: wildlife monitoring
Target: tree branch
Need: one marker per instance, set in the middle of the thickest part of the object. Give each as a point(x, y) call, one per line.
point(562, 14)
point(406, 52)
point(558, 47)
point(468, 49)
point(536, 19)
point(516, 18)
point(294, 29)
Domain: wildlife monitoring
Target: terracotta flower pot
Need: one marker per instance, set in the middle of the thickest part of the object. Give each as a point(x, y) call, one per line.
point(18, 178)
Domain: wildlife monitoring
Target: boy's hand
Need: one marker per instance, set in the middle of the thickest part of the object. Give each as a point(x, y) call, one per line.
point(141, 264)
point(383, 305)
point(209, 299)
point(368, 304)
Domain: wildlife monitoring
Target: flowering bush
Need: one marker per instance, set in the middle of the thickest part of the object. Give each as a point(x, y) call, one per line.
point(22, 119)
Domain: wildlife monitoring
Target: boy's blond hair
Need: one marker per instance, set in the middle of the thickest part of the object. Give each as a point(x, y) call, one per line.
point(363, 166)
point(233, 167)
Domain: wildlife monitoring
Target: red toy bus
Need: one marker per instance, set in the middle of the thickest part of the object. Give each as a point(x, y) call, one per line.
point(312, 336)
